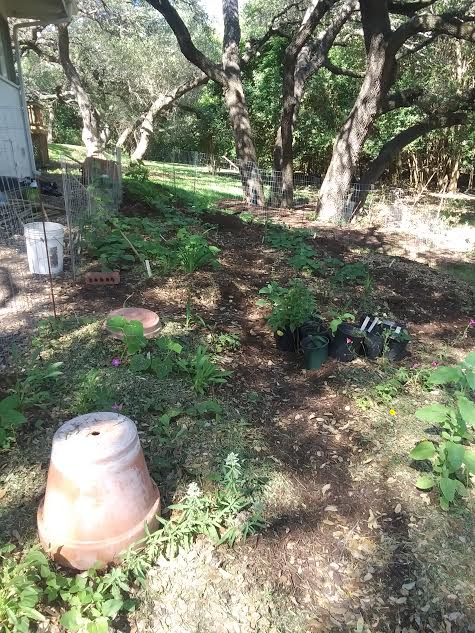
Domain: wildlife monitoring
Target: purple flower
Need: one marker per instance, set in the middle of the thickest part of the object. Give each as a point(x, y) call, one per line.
point(117, 407)
point(415, 365)
point(349, 341)
point(434, 363)
point(115, 362)
point(471, 323)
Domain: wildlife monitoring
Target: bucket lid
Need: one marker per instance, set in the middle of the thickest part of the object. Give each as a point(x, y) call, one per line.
point(33, 228)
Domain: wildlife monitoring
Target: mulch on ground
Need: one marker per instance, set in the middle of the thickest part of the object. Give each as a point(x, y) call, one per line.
point(341, 550)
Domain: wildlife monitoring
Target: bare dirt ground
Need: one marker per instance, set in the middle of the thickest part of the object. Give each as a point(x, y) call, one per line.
point(350, 544)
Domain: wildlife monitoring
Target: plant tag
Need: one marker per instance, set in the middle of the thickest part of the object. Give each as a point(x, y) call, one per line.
point(365, 323)
point(398, 329)
point(147, 268)
point(375, 322)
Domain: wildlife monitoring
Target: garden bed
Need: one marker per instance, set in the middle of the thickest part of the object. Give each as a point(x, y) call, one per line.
point(349, 544)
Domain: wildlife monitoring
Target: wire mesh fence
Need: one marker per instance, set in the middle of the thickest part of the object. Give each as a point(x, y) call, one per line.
point(251, 189)
point(40, 238)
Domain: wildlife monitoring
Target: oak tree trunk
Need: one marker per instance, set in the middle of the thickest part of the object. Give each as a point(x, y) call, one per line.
point(94, 135)
point(334, 202)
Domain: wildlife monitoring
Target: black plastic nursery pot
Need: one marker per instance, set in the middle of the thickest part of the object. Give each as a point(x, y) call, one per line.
point(396, 350)
point(372, 345)
point(315, 352)
point(318, 327)
point(347, 343)
point(287, 341)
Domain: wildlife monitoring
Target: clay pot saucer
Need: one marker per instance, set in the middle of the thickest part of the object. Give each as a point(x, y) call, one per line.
point(99, 494)
point(150, 320)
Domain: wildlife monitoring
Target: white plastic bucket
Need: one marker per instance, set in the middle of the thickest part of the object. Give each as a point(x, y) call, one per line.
point(36, 247)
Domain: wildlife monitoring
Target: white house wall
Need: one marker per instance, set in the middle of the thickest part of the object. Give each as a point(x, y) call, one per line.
point(14, 148)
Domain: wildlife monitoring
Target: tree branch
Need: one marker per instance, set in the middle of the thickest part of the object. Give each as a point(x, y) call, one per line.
point(253, 46)
point(187, 47)
point(336, 70)
point(402, 99)
point(450, 25)
point(409, 8)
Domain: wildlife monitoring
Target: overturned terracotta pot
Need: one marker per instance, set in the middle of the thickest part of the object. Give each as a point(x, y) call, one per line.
point(99, 494)
point(150, 321)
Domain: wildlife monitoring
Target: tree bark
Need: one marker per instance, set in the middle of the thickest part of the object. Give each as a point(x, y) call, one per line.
point(309, 60)
point(393, 147)
point(380, 70)
point(159, 106)
point(235, 101)
point(313, 15)
point(228, 76)
point(94, 135)
point(382, 47)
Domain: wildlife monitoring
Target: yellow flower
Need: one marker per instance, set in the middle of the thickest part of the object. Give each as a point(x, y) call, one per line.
point(392, 412)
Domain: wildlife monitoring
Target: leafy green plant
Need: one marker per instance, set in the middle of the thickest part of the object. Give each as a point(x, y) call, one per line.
point(28, 392)
point(137, 171)
point(226, 341)
point(162, 362)
point(339, 318)
point(461, 376)
point(291, 306)
point(90, 394)
point(304, 259)
point(194, 251)
point(351, 275)
point(93, 599)
point(191, 318)
point(225, 517)
point(10, 419)
point(203, 371)
point(286, 239)
point(452, 461)
point(451, 464)
point(20, 589)
point(131, 331)
point(391, 335)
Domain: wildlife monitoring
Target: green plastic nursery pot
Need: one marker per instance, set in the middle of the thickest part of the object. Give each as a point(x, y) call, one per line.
point(315, 352)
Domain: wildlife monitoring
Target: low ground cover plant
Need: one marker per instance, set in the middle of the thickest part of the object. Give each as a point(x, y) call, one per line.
point(30, 391)
point(451, 458)
point(90, 601)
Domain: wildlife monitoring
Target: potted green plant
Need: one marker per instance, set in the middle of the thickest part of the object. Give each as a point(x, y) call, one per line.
point(315, 350)
point(347, 338)
point(292, 306)
point(395, 344)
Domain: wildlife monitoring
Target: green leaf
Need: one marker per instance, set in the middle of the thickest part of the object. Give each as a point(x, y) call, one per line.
point(448, 487)
point(110, 608)
point(467, 410)
point(455, 453)
point(444, 504)
point(469, 460)
point(435, 413)
point(444, 375)
point(13, 418)
point(33, 614)
point(425, 482)
point(116, 322)
point(424, 450)
point(100, 625)
point(470, 378)
point(72, 620)
point(470, 360)
point(139, 363)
